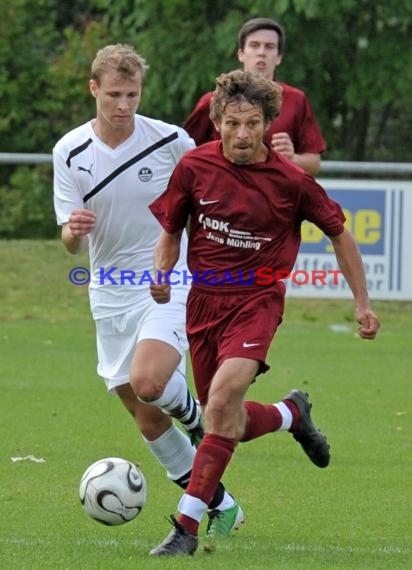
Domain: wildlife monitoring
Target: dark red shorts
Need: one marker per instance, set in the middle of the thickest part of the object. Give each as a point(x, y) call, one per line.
point(223, 325)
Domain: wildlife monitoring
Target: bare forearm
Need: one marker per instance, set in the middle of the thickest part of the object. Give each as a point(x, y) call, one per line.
point(350, 262)
point(76, 230)
point(73, 244)
point(308, 161)
point(167, 251)
point(166, 254)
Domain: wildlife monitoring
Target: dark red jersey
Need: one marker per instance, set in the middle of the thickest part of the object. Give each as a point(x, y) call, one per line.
point(242, 218)
point(296, 118)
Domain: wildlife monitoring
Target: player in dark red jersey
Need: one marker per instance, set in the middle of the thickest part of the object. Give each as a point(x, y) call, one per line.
point(295, 132)
point(246, 204)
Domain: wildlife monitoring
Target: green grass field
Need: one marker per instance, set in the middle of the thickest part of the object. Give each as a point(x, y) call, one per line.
point(355, 514)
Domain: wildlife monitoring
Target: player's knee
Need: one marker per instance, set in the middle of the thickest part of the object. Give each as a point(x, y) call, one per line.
point(222, 416)
point(216, 409)
point(147, 389)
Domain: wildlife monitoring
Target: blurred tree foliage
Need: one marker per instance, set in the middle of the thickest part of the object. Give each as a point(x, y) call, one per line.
point(353, 58)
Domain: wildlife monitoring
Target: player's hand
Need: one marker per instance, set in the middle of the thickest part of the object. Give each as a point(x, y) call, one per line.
point(161, 292)
point(82, 222)
point(368, 324)
point(282, 143)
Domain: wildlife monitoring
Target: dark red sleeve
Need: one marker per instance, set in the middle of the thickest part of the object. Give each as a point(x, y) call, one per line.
point(309, 138)
point(172, 208)
point(316, 207)
point(198, 124)
point(297, 119)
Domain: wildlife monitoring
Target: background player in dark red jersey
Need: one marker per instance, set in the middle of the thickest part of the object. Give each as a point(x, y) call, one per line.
point(295, 132)
point(246, 203)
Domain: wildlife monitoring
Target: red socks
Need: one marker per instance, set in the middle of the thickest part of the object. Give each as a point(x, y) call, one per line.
point(295, 414)
point(266, 418)
point(215, 452)
point(262, 419)
point(211, 460)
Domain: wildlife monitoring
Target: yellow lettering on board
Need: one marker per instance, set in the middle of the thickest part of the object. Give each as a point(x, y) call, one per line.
point(365, 225)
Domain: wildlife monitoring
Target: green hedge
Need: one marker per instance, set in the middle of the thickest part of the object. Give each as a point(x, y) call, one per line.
point(26, 203)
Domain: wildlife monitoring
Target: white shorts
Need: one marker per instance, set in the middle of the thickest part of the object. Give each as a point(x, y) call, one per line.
point(117, 337)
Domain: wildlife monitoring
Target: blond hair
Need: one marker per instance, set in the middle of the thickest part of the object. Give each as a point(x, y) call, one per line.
point(118, 57)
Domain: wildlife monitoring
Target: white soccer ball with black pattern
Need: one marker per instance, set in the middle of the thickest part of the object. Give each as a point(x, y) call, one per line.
point(113, 491)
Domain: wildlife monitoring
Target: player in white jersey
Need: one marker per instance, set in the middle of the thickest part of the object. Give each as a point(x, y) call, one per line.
point(106, 173)
point(126, 235)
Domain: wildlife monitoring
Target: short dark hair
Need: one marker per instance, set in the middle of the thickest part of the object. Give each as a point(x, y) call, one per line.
point(247, 86)
point(261, 24)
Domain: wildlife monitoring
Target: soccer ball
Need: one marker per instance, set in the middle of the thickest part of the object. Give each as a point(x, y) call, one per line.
point(113, 491)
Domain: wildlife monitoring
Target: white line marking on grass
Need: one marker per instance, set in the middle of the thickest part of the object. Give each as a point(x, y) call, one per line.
point(245, 545)
point(308, 549)
point(99, 542)
point(343, 549)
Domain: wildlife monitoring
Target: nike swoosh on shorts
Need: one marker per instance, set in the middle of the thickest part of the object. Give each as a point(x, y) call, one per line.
point(206, 202)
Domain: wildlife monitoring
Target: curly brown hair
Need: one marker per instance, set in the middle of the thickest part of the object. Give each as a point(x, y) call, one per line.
point(245, 86)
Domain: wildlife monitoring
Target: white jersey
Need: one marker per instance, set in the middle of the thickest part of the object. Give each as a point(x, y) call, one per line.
point(118, 185)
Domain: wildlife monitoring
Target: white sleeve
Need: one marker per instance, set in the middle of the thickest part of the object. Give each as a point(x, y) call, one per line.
point(66, 194)
point(181, 145)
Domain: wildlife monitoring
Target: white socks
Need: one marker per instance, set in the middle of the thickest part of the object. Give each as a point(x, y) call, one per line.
point(227, 502)
point(286, 416)
point(192, 507)
point(177, 401)
point(174, 451)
